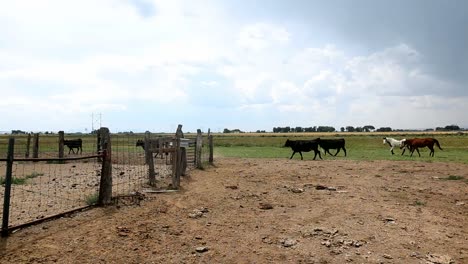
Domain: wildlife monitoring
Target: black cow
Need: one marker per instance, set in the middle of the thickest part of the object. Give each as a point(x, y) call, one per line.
point(155, 144)
point(303, 146)
point(328, 144)
point(74, 144)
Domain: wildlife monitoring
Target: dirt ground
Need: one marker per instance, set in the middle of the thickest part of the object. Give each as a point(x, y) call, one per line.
point(271, 211)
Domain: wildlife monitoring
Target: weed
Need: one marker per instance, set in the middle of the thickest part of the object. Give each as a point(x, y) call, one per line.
point(14, 180)
point(92, 199)
point(453, 178)
point(34, 175)
point(419, 203)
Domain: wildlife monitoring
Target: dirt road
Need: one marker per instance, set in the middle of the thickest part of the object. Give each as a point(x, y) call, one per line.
point(271, 211)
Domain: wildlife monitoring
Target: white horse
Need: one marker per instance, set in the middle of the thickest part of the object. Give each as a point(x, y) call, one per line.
point(394, 143)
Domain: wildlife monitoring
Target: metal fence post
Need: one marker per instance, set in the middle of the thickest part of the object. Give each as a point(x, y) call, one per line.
point(8, 178)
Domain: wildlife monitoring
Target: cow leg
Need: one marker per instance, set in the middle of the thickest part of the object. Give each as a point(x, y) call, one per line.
point(328, 150)
point(294, 152)
point(337, 152)
point(301, 155)
point(391, 150)
point(344, 151)
point(418, 152)
point(320, 156)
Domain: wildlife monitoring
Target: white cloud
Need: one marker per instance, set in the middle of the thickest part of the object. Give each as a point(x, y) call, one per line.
point(261, 36)
point(74, 58)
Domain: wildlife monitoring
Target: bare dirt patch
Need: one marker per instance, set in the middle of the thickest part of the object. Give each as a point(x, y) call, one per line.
point(272, 211)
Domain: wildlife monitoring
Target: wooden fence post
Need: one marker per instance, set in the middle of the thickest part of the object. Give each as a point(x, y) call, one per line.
point(61, 142)
point(28, 145)
point(105, 187)
point(179, 164)
point(36, 146)
point(150, 161)
point(147, 139)
point(210, 143)
point(198, 150)
point(8, 178)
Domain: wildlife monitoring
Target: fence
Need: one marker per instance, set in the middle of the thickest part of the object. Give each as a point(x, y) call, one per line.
point(58, 180)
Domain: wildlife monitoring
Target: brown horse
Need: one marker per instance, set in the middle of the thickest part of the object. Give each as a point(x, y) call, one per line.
point(416, 143)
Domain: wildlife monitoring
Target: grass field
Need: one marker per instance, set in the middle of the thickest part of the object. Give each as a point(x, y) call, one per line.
point(360, 146)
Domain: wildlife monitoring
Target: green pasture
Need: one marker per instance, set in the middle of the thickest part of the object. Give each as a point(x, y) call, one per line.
point(359, 146)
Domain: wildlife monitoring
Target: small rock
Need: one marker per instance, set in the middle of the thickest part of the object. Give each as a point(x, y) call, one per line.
point(233, 187)
point(297, 190)
point(358, 243)
point(459, 203)
point(439, 259)
point(265, 206)
point(122, 173)
point(289, 242)
point(196, 214)
point(201, 249)
point(326, 243)
point(387, 256)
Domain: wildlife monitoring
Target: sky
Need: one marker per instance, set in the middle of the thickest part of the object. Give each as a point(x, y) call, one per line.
point(149, 65)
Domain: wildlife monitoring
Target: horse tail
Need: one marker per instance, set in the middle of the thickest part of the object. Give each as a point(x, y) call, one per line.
point(437, 143)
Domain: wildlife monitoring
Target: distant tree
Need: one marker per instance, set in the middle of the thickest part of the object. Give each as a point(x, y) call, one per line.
point(452, 128)
point(298, 129)
point(16, 132)
point(342, 129)
point(350, 129)
point(325, 129)
point(226, 130)
point(359, 129)
point(368, 128)
point(384, 129)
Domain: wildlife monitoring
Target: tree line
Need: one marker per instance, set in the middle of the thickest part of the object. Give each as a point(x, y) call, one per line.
point(367, 128)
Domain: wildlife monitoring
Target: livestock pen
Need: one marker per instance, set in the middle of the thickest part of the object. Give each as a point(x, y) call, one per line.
point(54, 182)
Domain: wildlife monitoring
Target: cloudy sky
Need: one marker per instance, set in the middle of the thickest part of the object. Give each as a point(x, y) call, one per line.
point(153, 64)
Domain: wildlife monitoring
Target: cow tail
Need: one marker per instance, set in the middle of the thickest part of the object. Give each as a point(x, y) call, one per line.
point(437, 143)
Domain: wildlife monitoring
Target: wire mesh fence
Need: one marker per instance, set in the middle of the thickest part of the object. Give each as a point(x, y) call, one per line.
point(44, 188)
point(41, 189)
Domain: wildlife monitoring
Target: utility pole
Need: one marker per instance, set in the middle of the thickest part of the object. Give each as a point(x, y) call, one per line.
point(96, 120)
